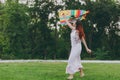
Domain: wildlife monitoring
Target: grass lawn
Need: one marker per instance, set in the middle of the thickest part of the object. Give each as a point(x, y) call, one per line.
point(56, 71)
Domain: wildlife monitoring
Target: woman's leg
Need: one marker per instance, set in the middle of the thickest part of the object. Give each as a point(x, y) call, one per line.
point(81, 72)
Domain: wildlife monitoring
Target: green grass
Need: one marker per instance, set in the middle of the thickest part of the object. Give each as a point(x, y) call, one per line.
point(56, 71)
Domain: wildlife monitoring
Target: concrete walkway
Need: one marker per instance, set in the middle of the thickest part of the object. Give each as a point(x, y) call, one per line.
point(83, 61)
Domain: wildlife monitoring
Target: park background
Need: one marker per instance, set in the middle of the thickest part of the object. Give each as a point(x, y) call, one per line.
point(30, 29)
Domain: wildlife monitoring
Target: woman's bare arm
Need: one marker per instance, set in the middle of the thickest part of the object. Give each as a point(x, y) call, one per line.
point(86, 47)
point(70, 25)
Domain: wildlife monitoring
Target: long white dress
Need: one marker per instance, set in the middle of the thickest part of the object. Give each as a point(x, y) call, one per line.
point(74, 61)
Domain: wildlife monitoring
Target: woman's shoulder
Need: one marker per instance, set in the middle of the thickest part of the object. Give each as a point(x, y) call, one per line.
point(77, 31)
point(73, 29)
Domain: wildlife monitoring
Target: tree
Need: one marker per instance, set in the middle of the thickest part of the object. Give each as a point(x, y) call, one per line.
point(14, 27)
point(39, 31)
point(104, 14)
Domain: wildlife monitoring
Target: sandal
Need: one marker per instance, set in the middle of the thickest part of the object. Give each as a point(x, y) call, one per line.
point(70, 78)
point(82, 75)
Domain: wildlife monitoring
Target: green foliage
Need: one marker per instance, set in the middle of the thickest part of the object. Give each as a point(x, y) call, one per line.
point(25, 32)
point(14, 28)
point(7, 56)
point(104, 14)
point(40, 34)
point(101, 54)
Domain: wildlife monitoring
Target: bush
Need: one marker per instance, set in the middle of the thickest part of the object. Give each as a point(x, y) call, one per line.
point(102, 54)
point(7, 56)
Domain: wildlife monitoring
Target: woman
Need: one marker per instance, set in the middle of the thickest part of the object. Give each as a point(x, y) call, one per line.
point(74, 61)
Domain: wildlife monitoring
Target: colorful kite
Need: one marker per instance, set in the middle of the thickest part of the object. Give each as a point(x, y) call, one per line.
point(67, 14)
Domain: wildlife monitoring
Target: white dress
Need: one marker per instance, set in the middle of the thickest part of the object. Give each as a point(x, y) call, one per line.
point(74, 61)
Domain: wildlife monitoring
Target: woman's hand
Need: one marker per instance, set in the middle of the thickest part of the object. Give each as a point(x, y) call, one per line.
point(64, 16)
point(88, 50)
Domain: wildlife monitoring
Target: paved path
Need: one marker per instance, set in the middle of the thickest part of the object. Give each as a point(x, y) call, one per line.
point(83, 61)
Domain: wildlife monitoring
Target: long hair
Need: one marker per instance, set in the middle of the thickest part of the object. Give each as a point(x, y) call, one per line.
point(79, 27)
